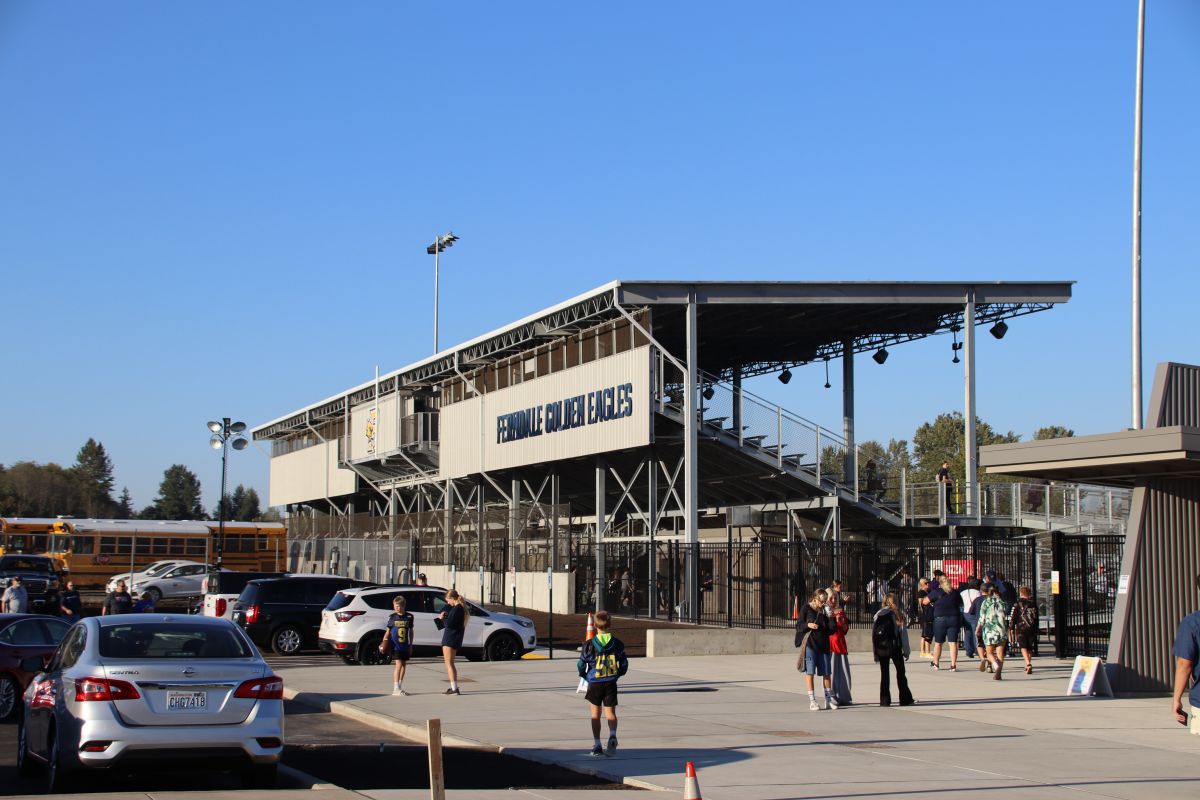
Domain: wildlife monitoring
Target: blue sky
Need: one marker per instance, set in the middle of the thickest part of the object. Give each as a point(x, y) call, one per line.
point(221, 208)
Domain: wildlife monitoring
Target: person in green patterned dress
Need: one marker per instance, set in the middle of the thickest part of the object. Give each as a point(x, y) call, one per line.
point(993, 627)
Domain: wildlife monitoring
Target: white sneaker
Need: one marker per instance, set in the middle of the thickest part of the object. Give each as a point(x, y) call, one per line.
point(812, 705)
point(396, 692)
point(831, 703)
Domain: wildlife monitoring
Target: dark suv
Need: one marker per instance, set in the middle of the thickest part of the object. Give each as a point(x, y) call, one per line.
point(284, 614)
point(37, 576)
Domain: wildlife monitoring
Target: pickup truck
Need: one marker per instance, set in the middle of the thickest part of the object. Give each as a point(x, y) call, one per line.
point(36, 573)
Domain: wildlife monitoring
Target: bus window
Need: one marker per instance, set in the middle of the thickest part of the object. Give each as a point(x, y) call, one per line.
point(159, 545)
point(177, 547)
point(195, 547)
point(83, 545)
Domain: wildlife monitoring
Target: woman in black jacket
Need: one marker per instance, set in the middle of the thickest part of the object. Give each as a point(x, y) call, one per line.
point(886, 630)
point(812, 634)
point(454, 624)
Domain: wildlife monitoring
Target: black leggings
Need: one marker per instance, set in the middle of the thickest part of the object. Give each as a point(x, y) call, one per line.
point(885, 691)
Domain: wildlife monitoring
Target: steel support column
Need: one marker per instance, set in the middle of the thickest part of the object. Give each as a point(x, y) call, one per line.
point(448, 525)
point(691, 479)
point(514, 523)
point(971, 454)
point(850, 457)
point(601, 514)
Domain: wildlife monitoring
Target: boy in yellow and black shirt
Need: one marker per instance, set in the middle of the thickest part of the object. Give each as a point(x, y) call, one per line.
point(602, 661)
point(397, 640)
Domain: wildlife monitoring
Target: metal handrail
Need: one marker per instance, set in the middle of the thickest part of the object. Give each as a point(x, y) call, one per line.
point(1021, 504)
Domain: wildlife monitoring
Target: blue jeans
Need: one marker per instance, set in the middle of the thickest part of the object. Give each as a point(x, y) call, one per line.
point(969, 623)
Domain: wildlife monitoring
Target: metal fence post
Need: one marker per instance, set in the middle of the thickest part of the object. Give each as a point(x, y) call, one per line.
point(728, 574)
point(1059, 565)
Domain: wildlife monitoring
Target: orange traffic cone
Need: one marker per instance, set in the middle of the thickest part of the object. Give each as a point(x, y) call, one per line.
point(691, 786)
point(796, 608)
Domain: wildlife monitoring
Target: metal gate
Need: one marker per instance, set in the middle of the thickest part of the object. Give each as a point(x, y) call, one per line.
point(1088, 567)
point(757, 584)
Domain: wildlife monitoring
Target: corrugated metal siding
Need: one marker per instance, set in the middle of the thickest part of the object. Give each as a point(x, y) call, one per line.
point(1162, 584)
point(1180, 403)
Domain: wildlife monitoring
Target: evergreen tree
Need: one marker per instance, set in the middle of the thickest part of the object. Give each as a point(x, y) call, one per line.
point(125, 509)
point(179, 494)
point(94, 472)
point(248, 507)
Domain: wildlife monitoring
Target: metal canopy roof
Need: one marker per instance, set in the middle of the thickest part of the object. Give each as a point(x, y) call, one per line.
point(1123, 458)
point(760, 327)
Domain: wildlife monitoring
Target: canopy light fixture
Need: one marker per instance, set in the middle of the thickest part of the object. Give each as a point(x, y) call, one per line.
point(999, 329)
point(785, 376)
point(880, 355)
point(708, 392)
point(827, 383)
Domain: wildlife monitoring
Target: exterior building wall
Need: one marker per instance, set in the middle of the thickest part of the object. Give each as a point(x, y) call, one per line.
point(559, 417)
point(309, 474)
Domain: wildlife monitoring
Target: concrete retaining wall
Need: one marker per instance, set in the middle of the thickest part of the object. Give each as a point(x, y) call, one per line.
point(662, 642)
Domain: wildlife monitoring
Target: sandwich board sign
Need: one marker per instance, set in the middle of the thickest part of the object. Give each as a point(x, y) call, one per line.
point(1088, 677)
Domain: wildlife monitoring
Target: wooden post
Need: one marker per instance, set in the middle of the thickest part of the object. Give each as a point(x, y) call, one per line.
point(437, 784)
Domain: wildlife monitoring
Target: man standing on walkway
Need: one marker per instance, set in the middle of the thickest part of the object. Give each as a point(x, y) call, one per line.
point(16, 599)
point(1187, 666)
point(943, 477)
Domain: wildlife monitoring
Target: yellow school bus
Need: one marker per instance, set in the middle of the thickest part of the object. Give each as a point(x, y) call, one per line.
point(92, 550)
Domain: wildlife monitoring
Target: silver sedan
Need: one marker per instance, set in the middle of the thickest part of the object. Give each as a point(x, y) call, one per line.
point(146, 690)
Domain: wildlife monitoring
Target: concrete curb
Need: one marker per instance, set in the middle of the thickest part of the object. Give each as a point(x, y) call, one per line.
point(416, 733)
point(301, 777)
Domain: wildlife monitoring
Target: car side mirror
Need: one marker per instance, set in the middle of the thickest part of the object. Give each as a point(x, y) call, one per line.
point(33, 664)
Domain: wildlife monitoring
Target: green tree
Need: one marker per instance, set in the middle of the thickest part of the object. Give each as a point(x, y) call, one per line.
point(1053, 432)
point(179, 494)
point(125, 509)
point(248, 508)
point(40, 490)
point(942, 440)
point(94, 471)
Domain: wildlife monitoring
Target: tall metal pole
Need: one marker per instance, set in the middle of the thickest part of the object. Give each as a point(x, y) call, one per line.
point(437, 248)
point(221, 501)
point(1137, 222)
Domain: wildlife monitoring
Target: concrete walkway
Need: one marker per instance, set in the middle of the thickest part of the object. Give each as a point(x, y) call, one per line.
point(744, 721)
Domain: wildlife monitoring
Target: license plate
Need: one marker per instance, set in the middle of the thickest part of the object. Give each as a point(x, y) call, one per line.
point(187, 701)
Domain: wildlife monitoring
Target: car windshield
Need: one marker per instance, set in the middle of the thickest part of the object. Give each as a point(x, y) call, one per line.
point(21, 564)
point(154, 569)
point(170, 640)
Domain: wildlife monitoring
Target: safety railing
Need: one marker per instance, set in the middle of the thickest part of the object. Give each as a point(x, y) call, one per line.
point(773, 433)
point(1022, 505)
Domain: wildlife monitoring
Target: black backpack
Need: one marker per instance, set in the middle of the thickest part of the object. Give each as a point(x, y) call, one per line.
point(883, 636)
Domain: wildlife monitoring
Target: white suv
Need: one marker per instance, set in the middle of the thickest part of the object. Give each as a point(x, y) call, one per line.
point(353, 623)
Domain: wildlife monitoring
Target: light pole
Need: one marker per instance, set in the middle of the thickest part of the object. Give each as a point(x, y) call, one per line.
point(223, 432)
point(435, 249)
point(1137, 222)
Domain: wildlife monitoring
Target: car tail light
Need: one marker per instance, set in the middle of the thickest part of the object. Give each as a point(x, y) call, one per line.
point(346, 616)
point(222, 603)
point(95, 747)
point(251, 614)
point(89, 689)
point(342, 645)
point(270, 688)
point(269, 742)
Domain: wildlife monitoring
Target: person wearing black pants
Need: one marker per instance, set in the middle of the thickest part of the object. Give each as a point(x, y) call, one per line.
point(887, 629)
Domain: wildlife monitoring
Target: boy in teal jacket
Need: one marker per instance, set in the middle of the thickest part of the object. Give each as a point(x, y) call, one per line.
point(602, 661)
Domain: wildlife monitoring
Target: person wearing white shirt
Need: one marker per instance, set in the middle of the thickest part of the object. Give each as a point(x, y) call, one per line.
point(969, 595)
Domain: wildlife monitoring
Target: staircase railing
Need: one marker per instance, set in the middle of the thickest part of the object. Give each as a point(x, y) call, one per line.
point(791, 441)
point(1022, 505)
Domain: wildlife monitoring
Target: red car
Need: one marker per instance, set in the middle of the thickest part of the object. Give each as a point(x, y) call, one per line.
point(26, 641)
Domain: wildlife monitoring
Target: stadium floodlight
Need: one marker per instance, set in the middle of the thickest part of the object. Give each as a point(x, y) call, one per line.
point(999, 329)
point(708, 392)
point(880, 356)
point(439, 244)
point(785, 376)
point(225, 434)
